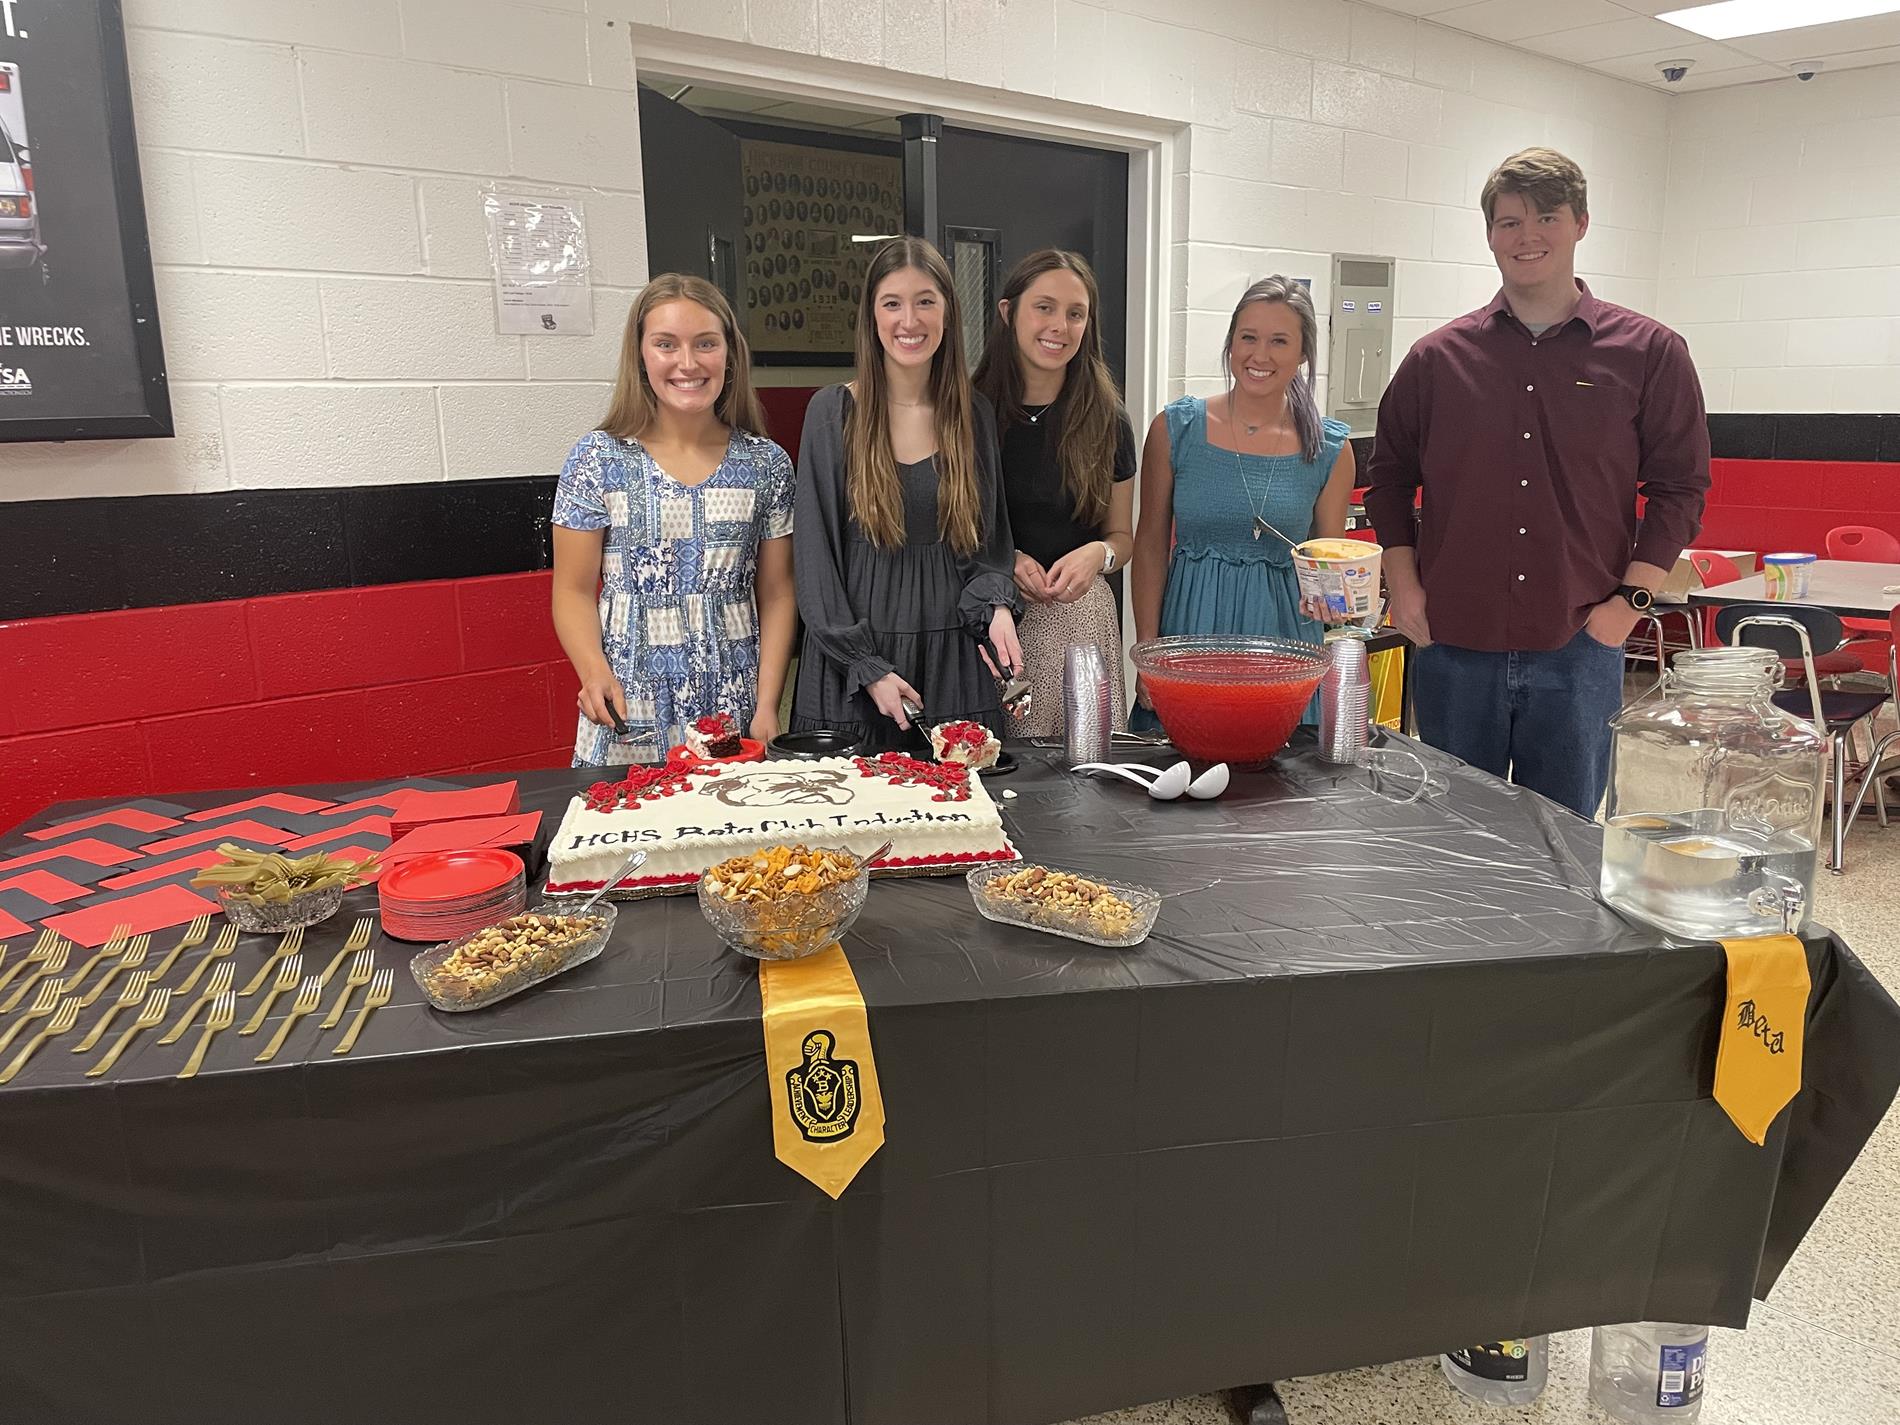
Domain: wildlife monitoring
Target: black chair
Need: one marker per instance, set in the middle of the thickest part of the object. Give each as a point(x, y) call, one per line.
point(1793, 632)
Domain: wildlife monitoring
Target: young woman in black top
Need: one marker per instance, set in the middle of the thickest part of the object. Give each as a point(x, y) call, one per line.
point(1068, 465)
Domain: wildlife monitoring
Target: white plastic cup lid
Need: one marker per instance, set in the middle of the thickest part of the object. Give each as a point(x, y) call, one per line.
point(1788, 558)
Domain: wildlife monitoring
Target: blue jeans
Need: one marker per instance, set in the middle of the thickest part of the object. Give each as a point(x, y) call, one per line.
point(1541, 719)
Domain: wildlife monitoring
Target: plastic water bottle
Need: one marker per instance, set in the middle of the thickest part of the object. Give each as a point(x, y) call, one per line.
point(1649, 1372)
point(1500, 1372)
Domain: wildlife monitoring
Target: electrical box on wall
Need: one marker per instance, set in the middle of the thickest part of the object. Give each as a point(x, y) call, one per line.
point(1361, 340)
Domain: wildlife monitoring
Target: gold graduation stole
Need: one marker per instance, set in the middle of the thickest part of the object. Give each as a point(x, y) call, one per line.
point(827, 1111)
point(1758, 1062)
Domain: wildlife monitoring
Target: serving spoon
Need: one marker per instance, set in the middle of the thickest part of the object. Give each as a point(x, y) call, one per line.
point(1165, 784)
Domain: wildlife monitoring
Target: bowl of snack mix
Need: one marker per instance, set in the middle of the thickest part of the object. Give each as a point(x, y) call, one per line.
point(511, 956)
point(1062, 903)
point(784, 902)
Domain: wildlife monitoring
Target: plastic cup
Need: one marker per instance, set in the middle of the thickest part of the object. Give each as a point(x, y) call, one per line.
point(1340, 576)
point(1786, 576)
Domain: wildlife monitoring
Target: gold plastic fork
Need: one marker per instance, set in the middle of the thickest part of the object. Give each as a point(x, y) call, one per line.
point(380, 990)
point(220, 982)
point(63, 1019)
point(43, 947)
point(362, 966)
point(309, 995)
point(44, 1003)
point(195, 934)
point(359, 938)
point(113, 946)
point(225, 943)
point(157, 1004)
point(289, 976)
point(223, 1011)
point(50, 966)
point(130, 993)
point(288, 946)
point(130, 959)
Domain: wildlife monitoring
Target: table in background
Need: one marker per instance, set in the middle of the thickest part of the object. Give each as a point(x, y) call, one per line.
point(1398, 1082)
point(1844, 586)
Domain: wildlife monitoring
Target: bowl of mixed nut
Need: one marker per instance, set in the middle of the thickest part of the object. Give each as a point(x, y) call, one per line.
point(1063, 903)
point(784, 902)
point(514, 955)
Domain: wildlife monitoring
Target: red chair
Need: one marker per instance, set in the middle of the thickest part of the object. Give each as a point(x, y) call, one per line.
point(1863, 544)
point(1712, 568)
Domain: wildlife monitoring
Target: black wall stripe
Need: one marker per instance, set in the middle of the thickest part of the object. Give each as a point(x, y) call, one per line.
point(84, 556)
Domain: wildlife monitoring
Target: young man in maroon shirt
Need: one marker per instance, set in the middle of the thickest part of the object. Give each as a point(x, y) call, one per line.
point(1525, 432)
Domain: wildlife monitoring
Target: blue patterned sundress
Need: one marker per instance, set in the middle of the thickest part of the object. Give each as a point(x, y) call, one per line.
point(678, 618)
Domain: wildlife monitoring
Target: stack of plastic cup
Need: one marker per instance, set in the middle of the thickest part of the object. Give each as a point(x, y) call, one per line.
point(1087, 704)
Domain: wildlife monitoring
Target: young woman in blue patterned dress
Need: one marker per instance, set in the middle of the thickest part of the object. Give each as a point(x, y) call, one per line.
point(673, 589)
point(1214, 471)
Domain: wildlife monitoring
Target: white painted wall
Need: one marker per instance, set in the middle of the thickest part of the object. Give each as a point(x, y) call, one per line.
point(313, 169)
point(1782, 243)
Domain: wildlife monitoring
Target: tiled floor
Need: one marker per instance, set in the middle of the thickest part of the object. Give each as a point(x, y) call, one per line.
point(1825, 1348)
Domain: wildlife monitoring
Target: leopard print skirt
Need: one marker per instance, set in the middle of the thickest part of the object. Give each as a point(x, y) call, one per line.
point(1046, 631)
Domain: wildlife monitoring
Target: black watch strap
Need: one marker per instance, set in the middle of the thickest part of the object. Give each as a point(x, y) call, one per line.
point(1637, 597)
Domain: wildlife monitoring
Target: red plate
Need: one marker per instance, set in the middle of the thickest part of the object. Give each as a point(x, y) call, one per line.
point(749, 751)
point(450, 875)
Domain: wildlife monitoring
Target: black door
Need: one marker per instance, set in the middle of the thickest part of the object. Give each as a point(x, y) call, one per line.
point(1000, 199)
point(695, 193)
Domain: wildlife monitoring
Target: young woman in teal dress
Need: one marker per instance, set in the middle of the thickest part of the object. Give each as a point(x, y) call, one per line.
point(1215, 472)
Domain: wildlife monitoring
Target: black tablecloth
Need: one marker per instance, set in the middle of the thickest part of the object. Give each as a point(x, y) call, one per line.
point(1396, 1083)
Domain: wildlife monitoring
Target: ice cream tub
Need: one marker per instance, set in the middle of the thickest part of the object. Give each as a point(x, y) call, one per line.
point(1339, 575)
point(1785, 576)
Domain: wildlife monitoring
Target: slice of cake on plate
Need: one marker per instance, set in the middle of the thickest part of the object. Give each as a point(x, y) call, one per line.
point(716, 735)
point(970, 743)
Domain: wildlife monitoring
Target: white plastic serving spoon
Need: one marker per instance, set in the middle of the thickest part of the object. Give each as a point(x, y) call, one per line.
point(1163, 785)
point(1210, 783)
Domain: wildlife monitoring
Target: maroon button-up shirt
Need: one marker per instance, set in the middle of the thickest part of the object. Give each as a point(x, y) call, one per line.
point(1531, 452)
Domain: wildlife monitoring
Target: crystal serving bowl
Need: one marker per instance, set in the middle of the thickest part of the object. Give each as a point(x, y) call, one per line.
point(791, 926)
point(1229, 698)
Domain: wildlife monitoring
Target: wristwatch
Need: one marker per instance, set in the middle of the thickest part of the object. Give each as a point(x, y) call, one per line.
point(1636, 597)
point(1108, 564)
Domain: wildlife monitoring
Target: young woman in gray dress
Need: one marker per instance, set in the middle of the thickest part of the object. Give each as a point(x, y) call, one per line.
point(901, 543)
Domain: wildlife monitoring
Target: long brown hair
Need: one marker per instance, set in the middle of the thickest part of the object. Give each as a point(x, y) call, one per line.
point(634, 407)
point(1088, 408)
point(1291, 293)
point(871, 486)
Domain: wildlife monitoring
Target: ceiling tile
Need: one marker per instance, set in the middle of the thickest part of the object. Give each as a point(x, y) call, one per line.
point(1812, 41)
point(1515, 19)
point(1635, 35)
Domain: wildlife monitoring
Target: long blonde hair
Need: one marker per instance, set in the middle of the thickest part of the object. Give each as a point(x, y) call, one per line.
point(1088, 410)
point(634, 407)
point(875, 497)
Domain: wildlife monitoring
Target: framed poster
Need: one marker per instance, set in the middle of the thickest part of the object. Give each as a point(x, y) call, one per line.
point(813, 218)
point(80, 355)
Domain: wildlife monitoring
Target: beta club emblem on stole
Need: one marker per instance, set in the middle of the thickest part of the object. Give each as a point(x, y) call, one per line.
point(824, 1092)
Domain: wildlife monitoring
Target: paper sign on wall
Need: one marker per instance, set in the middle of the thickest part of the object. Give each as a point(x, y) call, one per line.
point(543, 283)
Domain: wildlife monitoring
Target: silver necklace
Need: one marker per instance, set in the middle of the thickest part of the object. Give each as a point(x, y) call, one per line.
point(1260, 525)
point(1039, 414)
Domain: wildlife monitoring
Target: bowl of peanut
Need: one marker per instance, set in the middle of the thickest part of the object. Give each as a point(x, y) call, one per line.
point(1062, 903)
point(784, 902)
point(511, 956)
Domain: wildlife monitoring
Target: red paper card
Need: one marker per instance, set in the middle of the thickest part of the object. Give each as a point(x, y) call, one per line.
point(11, 926)
point(271, 801)
point(146, 875)
point(388, 801)
point(143, 913)
point(45, 886)
point(362, 826)
point(118, 816)
point(516, 830)
point(87, 848)
point(253, 832)
point(419, 808)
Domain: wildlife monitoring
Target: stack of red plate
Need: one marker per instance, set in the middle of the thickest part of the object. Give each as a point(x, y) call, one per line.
point(448, 894)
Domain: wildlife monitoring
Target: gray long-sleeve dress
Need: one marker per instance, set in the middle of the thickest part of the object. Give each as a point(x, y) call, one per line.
point(915, 610)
